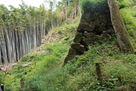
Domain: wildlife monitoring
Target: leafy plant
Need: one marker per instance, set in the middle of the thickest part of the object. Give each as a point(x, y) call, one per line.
point(123, 3)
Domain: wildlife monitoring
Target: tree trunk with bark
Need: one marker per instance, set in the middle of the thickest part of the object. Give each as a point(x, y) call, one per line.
point(119, 27)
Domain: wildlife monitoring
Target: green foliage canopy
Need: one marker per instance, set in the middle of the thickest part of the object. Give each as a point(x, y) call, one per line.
point(94, 5)
point(123, 3)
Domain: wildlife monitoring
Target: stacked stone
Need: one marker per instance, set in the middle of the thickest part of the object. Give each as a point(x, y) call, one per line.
point(90, 29)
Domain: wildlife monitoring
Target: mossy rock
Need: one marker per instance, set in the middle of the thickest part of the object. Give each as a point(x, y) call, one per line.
point(72, 51)
point(89, 35)
point(85, 27)
point(86, 17)
point(78, 37)
point(78, 47)
point(90, 41)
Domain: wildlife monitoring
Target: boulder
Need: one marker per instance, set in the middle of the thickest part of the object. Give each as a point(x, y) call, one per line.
point(72, 51)
point(89, 35)
point(70, 56)
point(103, 28)
point(105, 35)
point(86, 17)
point(78, 37)
point(96, 22)
point(90, 41)
point(91, 27)
point(78, 47)
point(85, 27)
point(99, 30)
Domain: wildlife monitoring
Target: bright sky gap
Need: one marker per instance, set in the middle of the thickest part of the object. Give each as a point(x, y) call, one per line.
point(16, 3)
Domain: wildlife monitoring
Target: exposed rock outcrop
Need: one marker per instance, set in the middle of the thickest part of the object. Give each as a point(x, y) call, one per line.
point(92, 27)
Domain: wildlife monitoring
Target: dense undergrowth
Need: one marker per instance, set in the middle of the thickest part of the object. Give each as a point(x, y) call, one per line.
point(47, 74)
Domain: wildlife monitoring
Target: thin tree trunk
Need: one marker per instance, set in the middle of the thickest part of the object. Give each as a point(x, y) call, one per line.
point(0, 51)
point(34, 35)
point(16, 46)
point(4, 50)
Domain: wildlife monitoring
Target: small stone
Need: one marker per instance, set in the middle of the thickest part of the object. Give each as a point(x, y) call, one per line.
point(85, 32)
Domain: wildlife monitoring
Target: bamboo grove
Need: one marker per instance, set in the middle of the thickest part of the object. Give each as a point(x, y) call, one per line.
point(23, 28)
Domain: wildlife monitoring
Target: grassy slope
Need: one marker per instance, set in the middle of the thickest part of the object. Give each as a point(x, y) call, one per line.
point(47, 74)
point(46, 63)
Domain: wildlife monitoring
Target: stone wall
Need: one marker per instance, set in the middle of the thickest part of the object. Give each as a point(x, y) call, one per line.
point(98, 23)
point(92, 28)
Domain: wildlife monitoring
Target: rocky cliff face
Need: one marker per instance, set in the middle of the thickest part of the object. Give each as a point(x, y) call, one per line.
point(93, 26)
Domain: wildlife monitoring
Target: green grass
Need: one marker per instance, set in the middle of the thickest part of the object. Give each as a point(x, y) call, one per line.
point(123, 3)
point(118, 70)
point(41, 74)
point(47, 74)
point(47, 71)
